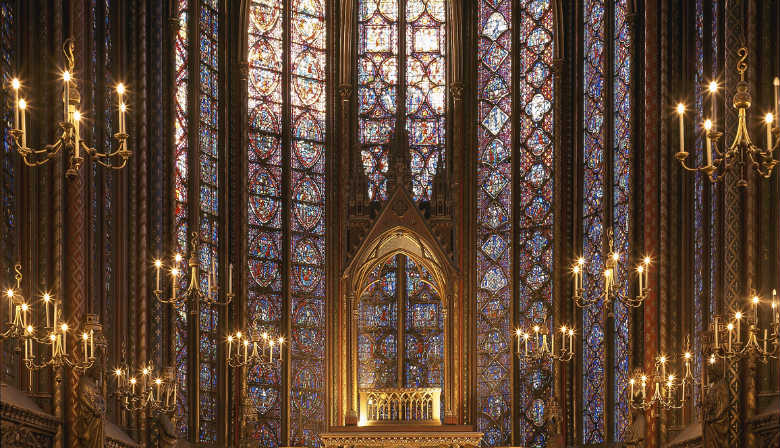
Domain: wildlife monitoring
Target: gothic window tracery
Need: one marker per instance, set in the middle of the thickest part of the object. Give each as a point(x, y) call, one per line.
point(401, 77)
point(599, 181)
point(287, 190)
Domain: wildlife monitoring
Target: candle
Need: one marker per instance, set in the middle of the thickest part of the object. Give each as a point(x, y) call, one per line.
point(768, 119)
point(174, 273)
point(681, 114)
point(23, 108)
point(525, 336)
point(46, 300)
point(120, 90)
point(641, 270)
point(713, 101)
point(518, 333)
point(53, 340)
point(91, 343)
point(631, 382)
point(707, 128)
point(552, 342)
point(644, 388)
point(571, 340)
point(64, 328)
point(158, 382)
point(85, 339)
point(755, 309)
point(246, 347)
point(55, 316)
point(10, 295)
point(26, 353)
point(157, 266)
point(230, 345)
point(738, 316)
point(15, 84)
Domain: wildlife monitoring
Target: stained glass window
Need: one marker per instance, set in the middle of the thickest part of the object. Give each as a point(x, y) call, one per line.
point(699, 255)
point(594, 179)
point(181, 215)
point(705, 230)
point(208, 133)
point(494, 214)
point(598, 182)
point(384, 63)
point(288, 172)
point(621, 199)
point(8, 227)
point(400, 328)
point(534, 222)
point(378, 329)
point(265, 206)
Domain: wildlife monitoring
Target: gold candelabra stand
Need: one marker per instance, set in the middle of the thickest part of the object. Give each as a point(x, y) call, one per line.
point(253, 351)
point(143, 389)
point(668, 391)
point(542, 345)
point(610, 290)
point(728, 339)
point(54, 333)
point(194, 291)
point(70, 139)
point(742, 154)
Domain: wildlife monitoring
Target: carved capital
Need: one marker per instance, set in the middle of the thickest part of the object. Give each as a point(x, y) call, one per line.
point(345, 91)
point(456, 90)
point(243, 70)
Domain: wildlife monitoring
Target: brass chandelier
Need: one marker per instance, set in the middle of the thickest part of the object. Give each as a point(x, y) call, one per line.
point(542, 345)
point(742, 154)
point(52, 335)
point(667, 390)
point(610, 290)
point(70, 140)
point(194, 292)
point(144, 389)
point(730, 341)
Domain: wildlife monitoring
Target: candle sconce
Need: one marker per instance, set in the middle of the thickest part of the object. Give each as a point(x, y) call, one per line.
point(610, 290)
point(742, 153)
point(542, 344)
point(193, 292)
point(145, 390)
point(668, 391)
point(70, 138)
point(253, 351)
point(18, 310)
point(729, 343)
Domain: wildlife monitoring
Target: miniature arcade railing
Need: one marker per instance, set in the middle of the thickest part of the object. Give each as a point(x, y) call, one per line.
point(400, 405)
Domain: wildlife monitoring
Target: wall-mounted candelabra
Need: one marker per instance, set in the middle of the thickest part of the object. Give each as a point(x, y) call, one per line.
point(667, 390)
point(70, 141)
point(742, 154)
point(539, 344)
point(144, 389)
point(729, 341)
point(611, 291)
point(244, 349)
point(194, 291)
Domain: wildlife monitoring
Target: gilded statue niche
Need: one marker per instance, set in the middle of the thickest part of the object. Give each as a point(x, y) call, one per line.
point(399, 233)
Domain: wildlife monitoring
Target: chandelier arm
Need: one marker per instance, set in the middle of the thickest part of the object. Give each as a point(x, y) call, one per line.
point(99, 157)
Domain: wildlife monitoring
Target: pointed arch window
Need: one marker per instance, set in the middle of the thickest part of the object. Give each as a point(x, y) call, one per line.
point(197, 208)
point(514, 204)
point(607, 106)
point(287, 115)
point(401, 69)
